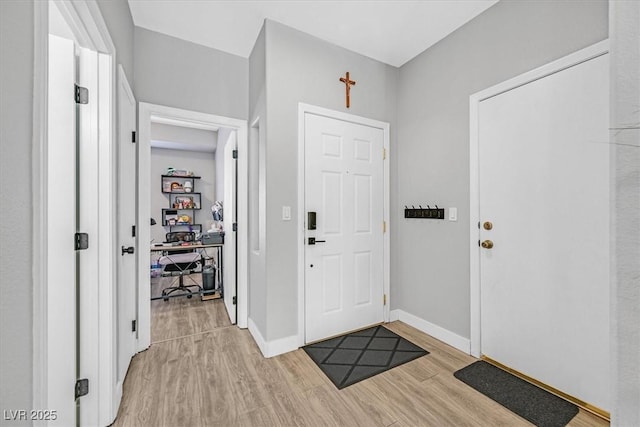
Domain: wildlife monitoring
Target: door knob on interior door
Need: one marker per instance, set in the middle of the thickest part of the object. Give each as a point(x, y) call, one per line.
point(313, 241)
point(128, 250)
point(487, 244)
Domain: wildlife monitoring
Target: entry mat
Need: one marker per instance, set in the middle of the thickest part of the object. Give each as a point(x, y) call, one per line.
point(353, 357)
point(521, 397)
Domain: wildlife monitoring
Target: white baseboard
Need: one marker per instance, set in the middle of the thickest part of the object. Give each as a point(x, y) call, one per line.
point(438, 332)
point(275, 347)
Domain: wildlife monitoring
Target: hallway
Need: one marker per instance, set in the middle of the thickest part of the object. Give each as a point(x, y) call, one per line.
point(218, 377)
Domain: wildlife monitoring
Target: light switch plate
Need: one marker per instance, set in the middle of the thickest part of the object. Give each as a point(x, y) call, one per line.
point(286, 213)
point(453, 214)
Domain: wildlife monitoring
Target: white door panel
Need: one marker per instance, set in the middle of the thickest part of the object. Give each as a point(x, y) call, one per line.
point(126, 211)
point(230, 217)
point(544, 184)
point(61, 204)
point(344, 186)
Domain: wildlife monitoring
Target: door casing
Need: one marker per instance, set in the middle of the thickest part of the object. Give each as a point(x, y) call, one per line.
point(575, 58)
point(90, 31)
point(304, 109)
point(171, 115)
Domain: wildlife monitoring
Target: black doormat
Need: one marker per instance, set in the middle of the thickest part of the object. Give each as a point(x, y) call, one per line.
point(350, 358)
point(521, 397)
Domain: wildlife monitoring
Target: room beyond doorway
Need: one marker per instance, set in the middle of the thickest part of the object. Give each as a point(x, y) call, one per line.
point(148, 114)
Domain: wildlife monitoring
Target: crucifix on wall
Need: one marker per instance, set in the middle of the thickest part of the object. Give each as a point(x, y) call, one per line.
point(348, 83)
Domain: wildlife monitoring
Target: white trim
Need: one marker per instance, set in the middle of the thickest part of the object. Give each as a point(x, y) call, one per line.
point(152, 112)
point(568, 61)
point(39, 199)
point(320, 111)
point(95, 35)
point(275, 347)
point(438, 332)
point(107, 226)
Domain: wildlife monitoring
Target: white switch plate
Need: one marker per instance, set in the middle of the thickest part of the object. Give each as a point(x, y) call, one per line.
point(453, 214)
point(286, 213)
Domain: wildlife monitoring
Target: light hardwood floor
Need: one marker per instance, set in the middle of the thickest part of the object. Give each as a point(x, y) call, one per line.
point(215, 375)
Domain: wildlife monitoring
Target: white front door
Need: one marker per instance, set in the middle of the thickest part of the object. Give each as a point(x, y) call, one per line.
point(344, 189)
point(126, 214)
point(544, 187)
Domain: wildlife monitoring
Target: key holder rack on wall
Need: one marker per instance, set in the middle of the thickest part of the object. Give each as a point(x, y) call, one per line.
point(424, 213)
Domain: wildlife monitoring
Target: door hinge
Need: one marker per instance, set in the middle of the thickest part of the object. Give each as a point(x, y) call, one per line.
point(384, 299)
point(81, 241)
point(82, 387)
point(235, 226)
point(133, 136)
point(235, 154)
point(384, 154)
point(134, 325)
point(81, 95)
point(384, 226)
point(133, 231)
point(234, 300)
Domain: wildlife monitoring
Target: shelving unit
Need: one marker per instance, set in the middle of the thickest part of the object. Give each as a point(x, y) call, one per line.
point(182, 204)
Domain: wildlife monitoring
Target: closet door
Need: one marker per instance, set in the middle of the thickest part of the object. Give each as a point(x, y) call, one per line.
point(544, 210)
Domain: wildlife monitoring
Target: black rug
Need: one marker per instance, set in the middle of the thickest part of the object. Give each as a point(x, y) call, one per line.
point(521, 397)
point(350, 358)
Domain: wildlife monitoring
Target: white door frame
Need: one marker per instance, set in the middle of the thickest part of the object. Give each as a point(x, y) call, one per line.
point(146, 113)
point(90, 31)
point(568, 61)
point(303, 109)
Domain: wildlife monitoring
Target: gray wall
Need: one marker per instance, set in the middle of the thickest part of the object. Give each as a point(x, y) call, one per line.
point(625, 153)
point(201, 164)
point(430, 259)
point(16, 283)
point(257, 290)
point(118, 18)
point(302, 68)
point(180, 74)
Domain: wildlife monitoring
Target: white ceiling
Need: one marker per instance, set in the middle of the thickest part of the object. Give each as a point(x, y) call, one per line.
point(167, 134)
point(390, 31)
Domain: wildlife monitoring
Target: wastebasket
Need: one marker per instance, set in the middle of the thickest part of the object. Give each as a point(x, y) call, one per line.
point(208, 277)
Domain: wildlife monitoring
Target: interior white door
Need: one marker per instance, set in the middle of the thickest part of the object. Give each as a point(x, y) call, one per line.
point(344, 187)
point(126, 217)
point(544, 186)
point(229, 218)
point(61, 218)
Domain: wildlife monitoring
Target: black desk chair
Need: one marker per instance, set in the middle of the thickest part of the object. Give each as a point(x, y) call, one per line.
point(181, 263)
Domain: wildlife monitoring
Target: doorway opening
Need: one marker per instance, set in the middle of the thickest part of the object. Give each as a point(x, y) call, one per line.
point(195, 155)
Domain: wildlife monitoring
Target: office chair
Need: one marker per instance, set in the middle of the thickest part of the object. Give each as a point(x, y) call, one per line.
point(180, 263)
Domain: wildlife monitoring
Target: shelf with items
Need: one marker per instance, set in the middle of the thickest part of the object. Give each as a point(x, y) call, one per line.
point(178, 184)
point(185, 201)
point(177, 216)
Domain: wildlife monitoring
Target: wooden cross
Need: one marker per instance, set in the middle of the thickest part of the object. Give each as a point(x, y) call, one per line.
point(348, 83)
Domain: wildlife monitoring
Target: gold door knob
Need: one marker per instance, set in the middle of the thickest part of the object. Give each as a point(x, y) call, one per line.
point(487, 225)
point(487, 244)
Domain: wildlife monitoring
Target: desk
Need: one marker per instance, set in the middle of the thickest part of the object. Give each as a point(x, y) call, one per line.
point(167, 249)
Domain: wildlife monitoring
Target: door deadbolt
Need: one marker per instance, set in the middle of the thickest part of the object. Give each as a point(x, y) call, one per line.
point(487, 225)
point(487, 244)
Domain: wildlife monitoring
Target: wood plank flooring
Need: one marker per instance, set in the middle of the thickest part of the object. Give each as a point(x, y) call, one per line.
point(214, 375)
